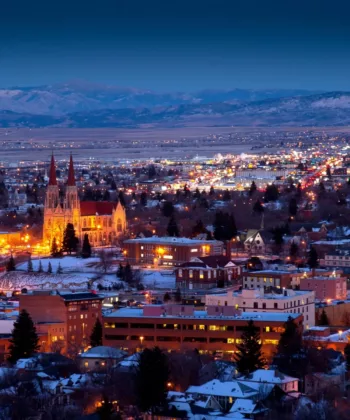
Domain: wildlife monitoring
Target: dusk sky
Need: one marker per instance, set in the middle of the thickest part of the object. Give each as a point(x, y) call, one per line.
point(177, 45)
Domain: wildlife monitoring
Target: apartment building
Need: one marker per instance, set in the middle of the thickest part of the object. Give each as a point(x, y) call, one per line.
point(218, 329)
point(66, 317)
point(169, 251)
point(259, 300)
point(326, 287)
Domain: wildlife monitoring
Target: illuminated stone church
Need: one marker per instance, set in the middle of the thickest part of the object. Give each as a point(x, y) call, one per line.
point(103, 221)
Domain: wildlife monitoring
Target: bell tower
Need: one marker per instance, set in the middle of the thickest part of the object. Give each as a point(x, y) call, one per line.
point(52, 193)
point(72, 199)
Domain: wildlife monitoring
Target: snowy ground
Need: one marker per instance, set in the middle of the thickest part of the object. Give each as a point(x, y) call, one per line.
point(159, 279)
point(68, 264)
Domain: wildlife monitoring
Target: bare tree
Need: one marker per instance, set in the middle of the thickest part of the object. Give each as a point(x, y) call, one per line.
point(106, 260)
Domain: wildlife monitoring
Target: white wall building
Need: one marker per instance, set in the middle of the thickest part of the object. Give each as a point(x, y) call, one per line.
point(256, 300)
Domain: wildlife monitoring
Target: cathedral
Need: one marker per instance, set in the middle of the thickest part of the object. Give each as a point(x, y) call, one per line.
point(103, 221)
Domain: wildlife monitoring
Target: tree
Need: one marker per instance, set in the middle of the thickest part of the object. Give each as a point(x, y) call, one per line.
point(227, 195)
point(106, 196)
point(128, 273)
point(323, 318)
point(224, 226)
point(166, 297)
point(177, 295)
point(347, 356)
point(54, 248)
point(198, 228)
point(293, 207)
point(106, 260)
point(70, 241)
point(59, 269)
point(86, 248)
point(172, 229)
point(293, 251)
point(11, 265)
point(151, 171)
point(120, 272)
point(151, 379)
point(143, 199)
point(40, 268)
point(250, 357)
point(328, 171)
point(96, 334)
point(271, 193)
point(258, 207)
point(211, 191)
point(252, 189)
point(30, 265)
point(49, 268)
point(106, 410)
point(289, 357)
point(168, 209)
point(121, 198)
point(24, 340)
point(312, 260)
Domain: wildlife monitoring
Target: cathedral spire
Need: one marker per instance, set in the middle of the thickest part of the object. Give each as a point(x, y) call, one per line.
point(71, 176)
point(52, 178)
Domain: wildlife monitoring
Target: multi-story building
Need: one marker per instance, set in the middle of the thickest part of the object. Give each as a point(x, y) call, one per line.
point(206, 272)
point(102, 221)
point(325, 287)
point(258, 300)
point(180, 327)
point(169, 250)
point(67, 317)
point(339, 259)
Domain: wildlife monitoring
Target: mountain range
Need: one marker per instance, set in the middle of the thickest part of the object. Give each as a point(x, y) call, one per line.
point(81, 104)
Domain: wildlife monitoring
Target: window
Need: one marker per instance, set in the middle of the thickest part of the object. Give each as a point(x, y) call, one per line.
point(86, 364)
point(230, 340)
point(264, 305)
point(54, 338)
point(72, 308)
point(256, 305)
point(267, 329)
point(180, 272)
point(201, 274)
point(191, 274)
point(119, 225)
point(209, 275)
point(275, 305)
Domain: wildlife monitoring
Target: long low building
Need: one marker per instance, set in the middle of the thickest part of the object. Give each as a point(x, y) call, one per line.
point(169, 251)
point(178, 327)
point(258, 300)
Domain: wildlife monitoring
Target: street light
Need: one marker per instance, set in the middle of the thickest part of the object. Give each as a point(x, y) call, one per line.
point(141, 340)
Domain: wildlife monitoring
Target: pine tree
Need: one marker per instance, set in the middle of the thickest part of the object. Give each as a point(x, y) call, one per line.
point(11, 265)
point(151, 379)
point(24, 340)
point(121, 198)
point(128, 273)
point(212, 191)
point(49, 268)
point(312, 260)
point(258, 207)
point(70, 241)
point(198, 228)
point(252, 189)
point(177, 295)
point(143, 199)
point(250, 357)
point(271, 193)
point(323, 318)
point(86, 248)
point(172, 229)
point(106, 410)
point(96, 334)
point(120, 271)
point(59, 269)
point(54, 248)
point(30, 265)
point(227, 195)
point(293, 207)
point(40, 268)
point(166, 297)
point(293, 251)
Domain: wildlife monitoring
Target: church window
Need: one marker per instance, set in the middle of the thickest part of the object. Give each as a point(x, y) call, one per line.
point(84, 223)
point(119, 225)
point(110, 222)
point(104, 222)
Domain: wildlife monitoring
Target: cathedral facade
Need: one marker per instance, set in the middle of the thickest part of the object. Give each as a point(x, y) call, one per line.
point(102, 221)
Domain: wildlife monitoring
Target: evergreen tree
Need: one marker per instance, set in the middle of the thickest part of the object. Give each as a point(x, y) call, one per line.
point(54, 248)
point(177, 295)
point(250, 357)
point(299, 190)
point(198, 228)
point(347, 356)
point(293, 251)
point(151, 171)
point(172, 229)
point(168, 209)
point(143, 199)
point(289, 358)
point(328, 171)
point(24, 340)
point(323, 318)
point(106, 410)
point(227, 195)
point(40, 268)
point(197, 194)
point(96, 334)
point(59, 269)
point(122, 198)
point(166, 297)
point(70, 241)
point(128, 273)
point(258, 207)
point(30, 265)
point(293, 207)
point(11, 265)
point(49, 268)
point(151, 379)
point(106, 196)
point(252, 189)
point(120, 271)
point(322, 187)
point(86, 248)
point(271, 193)
point(312, 260)
point(211, 191)
point(224, 226)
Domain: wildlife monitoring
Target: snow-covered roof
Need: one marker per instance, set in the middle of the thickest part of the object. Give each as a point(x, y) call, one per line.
point(245, 406)
point(103, 352)
point(166, 240)
point(268, 376)
point(223, 389)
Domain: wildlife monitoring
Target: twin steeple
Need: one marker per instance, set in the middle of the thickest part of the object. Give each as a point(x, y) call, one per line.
point(52, 178)
point(71, 175)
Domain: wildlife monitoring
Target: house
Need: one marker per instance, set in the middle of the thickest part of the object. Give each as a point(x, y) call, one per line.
point(258, 242)
point(207, 272)
point(100, 358)
point(272, 377)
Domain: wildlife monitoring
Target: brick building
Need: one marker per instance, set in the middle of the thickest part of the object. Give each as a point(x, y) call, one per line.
point(66, 317)
point(207, 272)
point(169, 251)
point(180, 327)
point(325, 287)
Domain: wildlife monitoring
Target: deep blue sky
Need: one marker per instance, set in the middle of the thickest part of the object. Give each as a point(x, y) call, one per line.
point(176, 44)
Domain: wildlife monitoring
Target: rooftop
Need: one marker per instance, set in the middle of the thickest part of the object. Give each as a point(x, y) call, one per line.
point(166, 240)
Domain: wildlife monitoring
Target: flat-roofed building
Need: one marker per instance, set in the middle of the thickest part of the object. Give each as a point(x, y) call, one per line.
point(326, 287)
point(260, 300)
point(169, 251)
point(217, 329)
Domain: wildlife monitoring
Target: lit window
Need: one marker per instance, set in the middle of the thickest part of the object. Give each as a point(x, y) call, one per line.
point(191, 274)
point(201, 274)
point(54, 338)
point(86, 364)
point(81, 316)
point(267, 329)
point(201, 327)
point(180, 272)
point(230, 340)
